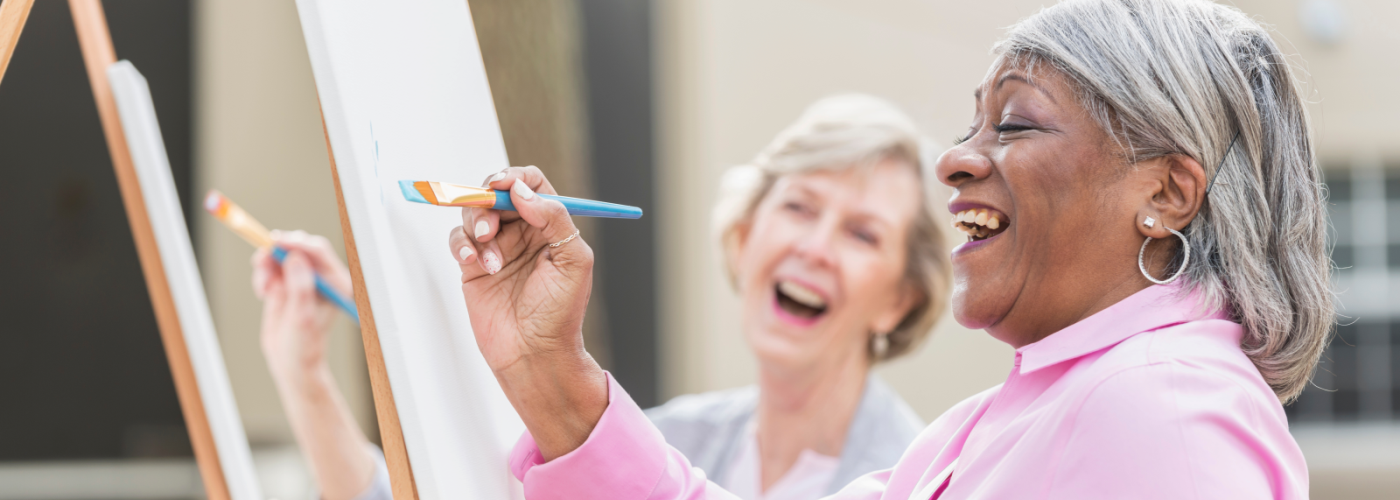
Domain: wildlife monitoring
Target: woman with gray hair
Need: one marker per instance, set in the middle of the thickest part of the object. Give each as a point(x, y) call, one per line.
point(828, 237)
point(1144, 220)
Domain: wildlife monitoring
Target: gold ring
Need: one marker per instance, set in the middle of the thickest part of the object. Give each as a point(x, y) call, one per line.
point(565, 240)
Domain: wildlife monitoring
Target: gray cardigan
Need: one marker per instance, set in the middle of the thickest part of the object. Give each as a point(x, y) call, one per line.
point(707, 427)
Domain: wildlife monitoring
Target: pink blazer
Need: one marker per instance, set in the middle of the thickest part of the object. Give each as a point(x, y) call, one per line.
point(1151, 398)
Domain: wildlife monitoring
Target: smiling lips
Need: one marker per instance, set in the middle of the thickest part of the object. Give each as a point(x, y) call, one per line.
point(800, 301)
point(980, 223)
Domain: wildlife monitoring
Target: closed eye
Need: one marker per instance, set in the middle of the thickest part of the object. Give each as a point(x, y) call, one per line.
point(798, 208)
point(960, 140)
point(1010, 127)
point(865, 236)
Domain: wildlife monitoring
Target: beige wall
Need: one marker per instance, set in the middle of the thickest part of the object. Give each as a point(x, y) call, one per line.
point(731, 73)
point(734, 72)
point(260, 142)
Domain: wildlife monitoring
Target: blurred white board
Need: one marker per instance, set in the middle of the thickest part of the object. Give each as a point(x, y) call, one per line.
point(404, 95)
point(143, 138)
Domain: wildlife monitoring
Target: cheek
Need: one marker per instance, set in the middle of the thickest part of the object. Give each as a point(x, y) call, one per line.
point(766, 245)
point(871, 283)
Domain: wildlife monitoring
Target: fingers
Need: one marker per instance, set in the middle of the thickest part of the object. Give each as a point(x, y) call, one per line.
point(483, 222)
point(469, 255)
point(461, 246)
point(320, 255)
point(266, 271)
point(299, 280)
point(532, 176)
point(554, 223)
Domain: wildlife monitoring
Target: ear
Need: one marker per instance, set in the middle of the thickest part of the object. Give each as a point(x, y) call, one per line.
point(1176, 189)
point(734, 247)
point(887, 320)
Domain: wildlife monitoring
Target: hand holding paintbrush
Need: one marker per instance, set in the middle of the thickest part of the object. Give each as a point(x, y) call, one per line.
point(253, 232)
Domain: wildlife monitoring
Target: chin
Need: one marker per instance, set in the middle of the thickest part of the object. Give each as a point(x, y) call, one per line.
point(775, 350)
point(974, 310)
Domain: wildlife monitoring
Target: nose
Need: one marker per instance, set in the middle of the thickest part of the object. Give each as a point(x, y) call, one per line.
point(962, 164)
point(817, 246)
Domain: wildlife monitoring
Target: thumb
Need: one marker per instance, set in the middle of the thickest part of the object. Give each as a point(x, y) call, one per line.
point(300, 280)
point(554, 223)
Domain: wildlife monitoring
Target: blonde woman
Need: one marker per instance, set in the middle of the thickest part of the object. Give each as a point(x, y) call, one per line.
point(830, 242)
point(1158, 260)
point(829, 239)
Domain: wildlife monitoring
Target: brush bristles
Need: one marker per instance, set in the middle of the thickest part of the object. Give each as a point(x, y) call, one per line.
point(424, 188)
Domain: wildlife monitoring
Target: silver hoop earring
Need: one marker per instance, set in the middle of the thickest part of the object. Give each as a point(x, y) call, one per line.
point(1184, 261)
point(880, 345)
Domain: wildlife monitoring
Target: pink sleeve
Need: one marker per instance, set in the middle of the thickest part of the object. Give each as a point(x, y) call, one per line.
point(625, 458)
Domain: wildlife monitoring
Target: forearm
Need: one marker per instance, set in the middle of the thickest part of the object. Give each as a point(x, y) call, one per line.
point(327, 432)
point(559, 397)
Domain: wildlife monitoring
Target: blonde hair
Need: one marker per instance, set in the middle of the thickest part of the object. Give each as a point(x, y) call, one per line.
point(838, 133)
point(1183, 77)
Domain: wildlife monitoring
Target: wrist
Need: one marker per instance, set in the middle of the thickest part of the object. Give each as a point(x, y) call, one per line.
point(302, 379)
point(560, 398)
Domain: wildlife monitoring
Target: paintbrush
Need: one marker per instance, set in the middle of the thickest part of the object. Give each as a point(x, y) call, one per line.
point(253, 232)
point(454, 195)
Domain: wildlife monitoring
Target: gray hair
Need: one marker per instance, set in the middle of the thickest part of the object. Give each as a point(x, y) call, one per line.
point(838, 133)
point(1183, 77)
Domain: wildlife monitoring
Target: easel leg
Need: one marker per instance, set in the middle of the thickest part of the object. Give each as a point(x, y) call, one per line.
point(13, 14)
point(405, 487)
point(98, 54)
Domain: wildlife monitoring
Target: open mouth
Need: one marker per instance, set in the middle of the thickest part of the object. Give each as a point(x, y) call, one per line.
point(980, 223)
point(799, 301)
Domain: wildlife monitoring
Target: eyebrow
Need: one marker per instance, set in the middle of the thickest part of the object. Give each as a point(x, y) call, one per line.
point(977, 94)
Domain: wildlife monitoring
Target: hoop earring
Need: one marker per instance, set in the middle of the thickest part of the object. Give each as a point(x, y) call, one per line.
point(879, 345)
point(1184, 261)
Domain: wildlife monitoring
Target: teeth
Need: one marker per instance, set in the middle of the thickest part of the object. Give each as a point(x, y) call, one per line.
point(977, 223)
point(801, 294)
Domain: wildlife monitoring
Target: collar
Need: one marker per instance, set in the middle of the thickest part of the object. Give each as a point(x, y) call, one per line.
point(1152, 308)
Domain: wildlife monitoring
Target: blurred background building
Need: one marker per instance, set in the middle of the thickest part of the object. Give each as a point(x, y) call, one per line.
point(634, 101)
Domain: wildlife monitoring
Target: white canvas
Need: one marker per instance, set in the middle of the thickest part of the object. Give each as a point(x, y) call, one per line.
point(404, 95)
point(143, 138)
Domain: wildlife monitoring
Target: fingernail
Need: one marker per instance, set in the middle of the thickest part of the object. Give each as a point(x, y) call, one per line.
point(491, 262)
point(465, 253)
point(482, 228)
point(499, 175)
point(524, 191)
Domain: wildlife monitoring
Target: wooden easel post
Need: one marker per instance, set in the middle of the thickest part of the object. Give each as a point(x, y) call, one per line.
point(98, 54)
point(13, 14)
point(401, 480)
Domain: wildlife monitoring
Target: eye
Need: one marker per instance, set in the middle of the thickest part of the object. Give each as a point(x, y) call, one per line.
point(960, 140)
point(798, 207)
point(865, 236)
point(1005, 128)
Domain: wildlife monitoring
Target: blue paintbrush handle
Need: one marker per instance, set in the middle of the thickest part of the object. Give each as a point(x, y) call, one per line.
point(325, 288)
point(577, 206)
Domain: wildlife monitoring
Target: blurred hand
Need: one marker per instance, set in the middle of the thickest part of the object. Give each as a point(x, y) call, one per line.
point(296, 319)
point(295, 330)
point(526, 302)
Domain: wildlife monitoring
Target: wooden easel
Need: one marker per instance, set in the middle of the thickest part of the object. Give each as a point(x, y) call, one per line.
point(386, 411)
point(98, 53)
